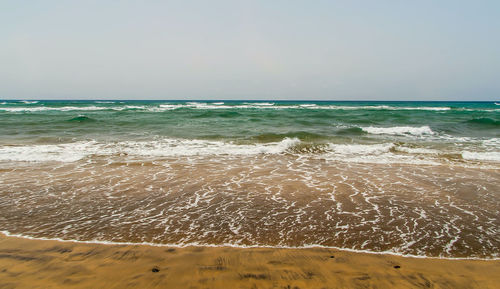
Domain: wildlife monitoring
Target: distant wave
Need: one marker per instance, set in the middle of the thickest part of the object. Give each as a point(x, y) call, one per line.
point(351, 131)
point(260, 103)
point(399, 130)
point(218, 113)
point(484, 121)
point(81, 118)
point(221, 105)
point(71, 108)
point(45, 108)
point(301, 135)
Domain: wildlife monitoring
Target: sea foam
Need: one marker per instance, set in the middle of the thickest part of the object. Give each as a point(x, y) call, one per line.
point(481, 156)
point(400, 130)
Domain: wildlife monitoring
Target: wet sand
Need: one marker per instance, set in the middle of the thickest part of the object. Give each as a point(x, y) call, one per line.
point(28, 263)
point(258, 200)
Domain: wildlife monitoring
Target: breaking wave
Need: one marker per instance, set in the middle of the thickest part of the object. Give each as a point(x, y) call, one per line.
point(387, 152)
point(400, 130)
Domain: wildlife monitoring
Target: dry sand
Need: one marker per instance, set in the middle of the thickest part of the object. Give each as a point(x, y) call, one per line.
point(51, 264)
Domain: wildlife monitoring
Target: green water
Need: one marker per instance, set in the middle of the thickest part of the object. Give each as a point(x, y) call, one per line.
point(452, 127)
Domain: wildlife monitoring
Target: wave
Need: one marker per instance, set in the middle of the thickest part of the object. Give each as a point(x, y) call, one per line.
point(71, 152)
point(72, 108)
point(380, 153)
point(400, 130)
point(484, 121)
point(81, 118)
point(260, 103)
point(481, 156)
point(222, 105)
point(274, 137)
point(351, 131)
point(387, 107)
point(45, 108)
point(416, 150)
point(29, 101)
point(223, 113)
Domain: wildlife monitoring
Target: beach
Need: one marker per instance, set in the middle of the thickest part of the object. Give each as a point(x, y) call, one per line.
point(249, 144)
point(28, 263)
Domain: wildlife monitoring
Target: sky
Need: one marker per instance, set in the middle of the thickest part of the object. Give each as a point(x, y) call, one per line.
point(274, 49)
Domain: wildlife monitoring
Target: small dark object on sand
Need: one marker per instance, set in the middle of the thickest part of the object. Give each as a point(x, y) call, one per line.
point(155, 269)
point(397, 267)
point(332, 256)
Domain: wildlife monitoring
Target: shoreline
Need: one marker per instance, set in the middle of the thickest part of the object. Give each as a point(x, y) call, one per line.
point(29, 263)
point(234, 246)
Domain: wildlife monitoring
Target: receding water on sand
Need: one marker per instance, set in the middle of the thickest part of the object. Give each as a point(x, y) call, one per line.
point(258, 201)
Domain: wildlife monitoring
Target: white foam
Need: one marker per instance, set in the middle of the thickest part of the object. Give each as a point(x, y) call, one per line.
point(267, 105)
point(372, 153)
point(481, 156)
point(399, 130)
point(133, 107)
point(383, 107)
point(431, 108)
point(71, 108)
point(71, 152)
point(43, 153)
point(170, 106)
point(176, 147)
point(29, 102)
point(215, 105)
point(382, 153)
point(492, 142)
point(231, 245)
point(260, 103)
point(46, 108)
point(346, 149)
point(417, 150)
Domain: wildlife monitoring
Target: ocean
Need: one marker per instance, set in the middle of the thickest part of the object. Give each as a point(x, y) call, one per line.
point(410, 178)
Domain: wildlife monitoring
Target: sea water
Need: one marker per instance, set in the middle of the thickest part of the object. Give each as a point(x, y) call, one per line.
point(412, 178)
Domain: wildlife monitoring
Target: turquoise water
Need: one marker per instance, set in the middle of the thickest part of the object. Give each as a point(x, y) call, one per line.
point(257, 121)
point(464, 130)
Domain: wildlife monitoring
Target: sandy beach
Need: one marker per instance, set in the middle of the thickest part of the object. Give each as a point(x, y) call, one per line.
point(28, 263)
point(249, 144)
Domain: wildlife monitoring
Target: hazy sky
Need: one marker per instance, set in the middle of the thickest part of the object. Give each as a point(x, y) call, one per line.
point(339, 50)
